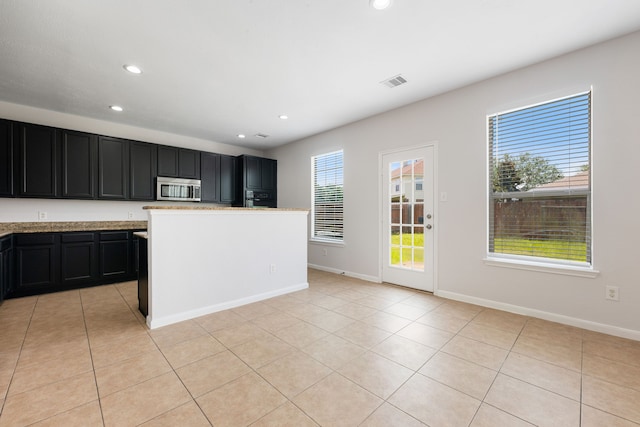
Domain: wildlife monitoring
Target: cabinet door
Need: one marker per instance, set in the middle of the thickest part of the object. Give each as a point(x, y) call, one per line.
point(78, 258)
point(144, 160)
point(114, 255)
point(79, 165)
point(188, 164)
point(37, 262)
point(268, 173)
point(210, 176)
point(143, 278)
point(6, 159)
point(5, 267)
point(113, 168)
point(252, 173)
point(227, 178)
point(39, 161)
point(167, 161)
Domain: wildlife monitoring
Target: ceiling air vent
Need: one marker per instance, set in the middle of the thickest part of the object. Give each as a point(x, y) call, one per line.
point(261, 135)
point(394, 81)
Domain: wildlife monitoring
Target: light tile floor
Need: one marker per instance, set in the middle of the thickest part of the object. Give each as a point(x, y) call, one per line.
point(343, 352)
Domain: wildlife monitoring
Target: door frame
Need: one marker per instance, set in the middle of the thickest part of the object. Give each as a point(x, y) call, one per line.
point(382, 251)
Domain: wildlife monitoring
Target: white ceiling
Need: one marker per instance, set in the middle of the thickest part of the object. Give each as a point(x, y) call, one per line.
point(217, 68)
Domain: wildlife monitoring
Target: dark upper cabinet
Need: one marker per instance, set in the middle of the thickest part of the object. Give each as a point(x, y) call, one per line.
point(189, 164)
point(143, 166)
point(39, 160)
point(252, 172)
point(269, 174)
point(79, 165)
point(36, 262)
point(178, 162)
point(259, 173)
point(210, 176)
point(228, 166)
point(113, 168)
point(256, 182)
point(167, 161)
point(78, 258)
point(6, 159)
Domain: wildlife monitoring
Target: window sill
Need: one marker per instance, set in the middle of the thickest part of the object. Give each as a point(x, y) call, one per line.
point(326, 242)
point(543, 267)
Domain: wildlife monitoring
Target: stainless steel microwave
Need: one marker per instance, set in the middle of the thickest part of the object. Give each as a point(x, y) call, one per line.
point(178, 189)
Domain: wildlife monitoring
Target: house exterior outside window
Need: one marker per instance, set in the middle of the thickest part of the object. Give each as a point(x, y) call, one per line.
point(327, 198)
point(540, 182)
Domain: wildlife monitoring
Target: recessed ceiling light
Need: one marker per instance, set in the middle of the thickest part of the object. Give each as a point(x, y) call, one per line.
point(240, 135)
point(133, 69)
point(116, 107)
point(283, 116)
point(380, 4)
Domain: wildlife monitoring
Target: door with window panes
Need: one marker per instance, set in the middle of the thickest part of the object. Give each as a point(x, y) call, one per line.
point(408, 217)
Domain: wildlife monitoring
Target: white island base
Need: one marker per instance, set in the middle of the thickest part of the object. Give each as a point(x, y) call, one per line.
point(204, 260)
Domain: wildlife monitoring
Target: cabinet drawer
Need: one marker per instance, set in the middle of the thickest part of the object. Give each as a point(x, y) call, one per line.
point(77, 237)
point(113, 235)
point(35, 239)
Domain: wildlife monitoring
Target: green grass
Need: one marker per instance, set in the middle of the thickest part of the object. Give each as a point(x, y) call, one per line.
point(559, 249)
point(418, 242)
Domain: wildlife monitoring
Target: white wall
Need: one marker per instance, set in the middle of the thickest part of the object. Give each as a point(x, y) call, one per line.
point(26, 210)
point(203, 261)
point(457, 121)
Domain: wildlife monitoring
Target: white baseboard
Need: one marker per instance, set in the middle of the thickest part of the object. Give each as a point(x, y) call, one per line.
point(179, 317)
point(345, 273)
point(553, 317)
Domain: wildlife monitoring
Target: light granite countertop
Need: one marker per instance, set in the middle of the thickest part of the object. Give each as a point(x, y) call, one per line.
point(223, 208)
point(7, 228)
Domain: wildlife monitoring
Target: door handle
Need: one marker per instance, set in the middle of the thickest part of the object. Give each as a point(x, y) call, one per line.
point(429, 226)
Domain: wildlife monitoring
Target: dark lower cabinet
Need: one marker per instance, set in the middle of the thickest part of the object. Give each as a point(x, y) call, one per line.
point(37, 262)
point(143, 276)
point(48, 262)
point(115, 255)
point(6, 266)
point(78, 258)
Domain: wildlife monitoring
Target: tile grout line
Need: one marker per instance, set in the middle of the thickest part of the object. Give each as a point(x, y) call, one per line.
point(15, 366)
point(95, 378)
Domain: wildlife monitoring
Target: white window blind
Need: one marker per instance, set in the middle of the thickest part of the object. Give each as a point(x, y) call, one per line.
point(327, 199)
point(540, 181)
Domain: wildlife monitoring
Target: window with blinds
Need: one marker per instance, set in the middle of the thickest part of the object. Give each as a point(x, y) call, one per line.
point(540, 182)
point(327, 219)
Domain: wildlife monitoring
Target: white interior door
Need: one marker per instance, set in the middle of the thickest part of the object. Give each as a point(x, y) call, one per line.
point(408, 217)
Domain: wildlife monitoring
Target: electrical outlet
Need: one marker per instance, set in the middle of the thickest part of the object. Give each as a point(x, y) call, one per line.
point(612, 293)
point(272, 268)
point(444, 196)
point(130, 215)
point(325, 252)
point(42, 215)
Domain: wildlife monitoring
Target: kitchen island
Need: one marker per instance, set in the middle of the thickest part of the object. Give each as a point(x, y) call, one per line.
point(206, 259)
